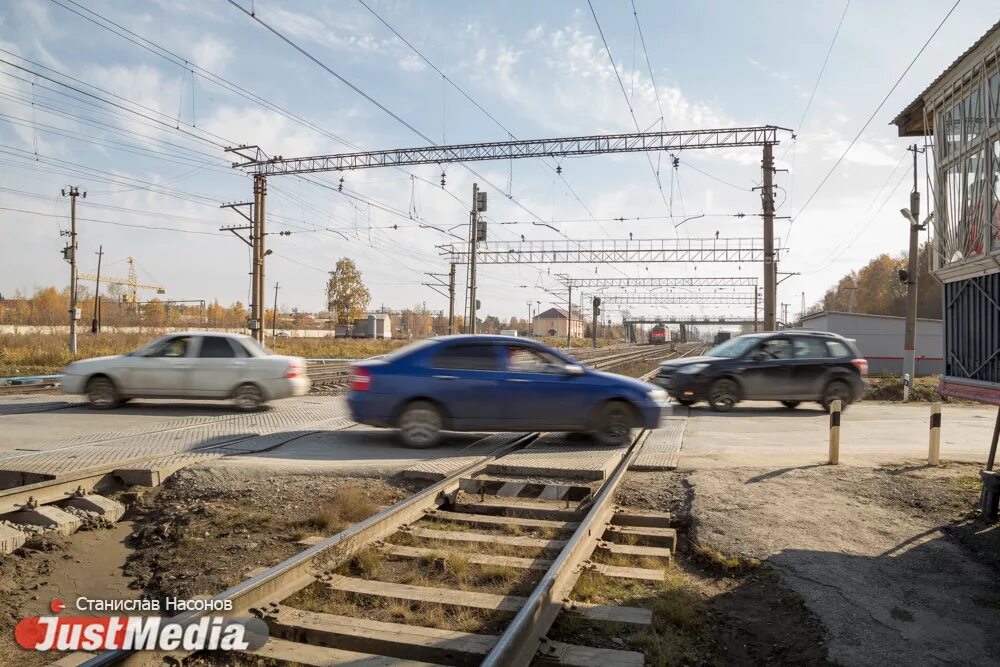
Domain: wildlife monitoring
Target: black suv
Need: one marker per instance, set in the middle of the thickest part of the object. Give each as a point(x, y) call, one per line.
point(790, 366)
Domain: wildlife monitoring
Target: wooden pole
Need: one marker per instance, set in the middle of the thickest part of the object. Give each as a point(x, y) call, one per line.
point(934, 442)
point(835, 408)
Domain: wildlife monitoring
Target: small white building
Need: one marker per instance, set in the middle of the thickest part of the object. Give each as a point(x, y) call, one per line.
point(374, 325)
point(880, 339)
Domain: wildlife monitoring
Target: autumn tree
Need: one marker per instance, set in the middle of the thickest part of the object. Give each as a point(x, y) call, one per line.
point(346, 294)
point(877, 290)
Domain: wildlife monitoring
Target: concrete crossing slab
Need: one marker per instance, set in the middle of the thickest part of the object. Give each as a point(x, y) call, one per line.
point(560, 455)
point(662, 448)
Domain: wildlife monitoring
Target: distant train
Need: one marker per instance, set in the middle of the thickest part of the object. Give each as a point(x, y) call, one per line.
point(659, 335)
point(722, 337)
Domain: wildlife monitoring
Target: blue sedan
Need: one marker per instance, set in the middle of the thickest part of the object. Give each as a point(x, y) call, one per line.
point(496, 383)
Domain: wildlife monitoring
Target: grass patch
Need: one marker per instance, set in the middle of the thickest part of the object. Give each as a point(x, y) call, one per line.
point(318, 598)
point(348, 505)
point(970, 483)
point(716, 561)
point(446, 569)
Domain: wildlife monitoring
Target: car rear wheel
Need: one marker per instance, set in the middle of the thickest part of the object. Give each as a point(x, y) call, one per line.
point(723, 395)
point(420, 425)
point(836, 390)
point(613, 423)
point(248, 397)
point(102, 394)
point(791, 405)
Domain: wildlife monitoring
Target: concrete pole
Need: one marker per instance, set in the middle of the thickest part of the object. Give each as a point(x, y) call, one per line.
point(770, 268)
point(569, 317)
point(451, 299)
point(274, 317)
point(909, 345)
point(255, 320)
point(473, 251)
point(261, 285)
point(95, 325)
point(73, 193)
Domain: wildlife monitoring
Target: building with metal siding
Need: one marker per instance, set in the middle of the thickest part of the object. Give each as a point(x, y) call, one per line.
point(960, 111)
point(880, 339)
point(959, 116)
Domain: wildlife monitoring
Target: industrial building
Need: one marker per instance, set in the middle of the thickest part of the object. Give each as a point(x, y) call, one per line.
point(880, 339)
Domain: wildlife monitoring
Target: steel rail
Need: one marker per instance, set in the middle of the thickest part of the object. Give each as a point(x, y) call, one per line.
point(297, 572)
point(525, 636)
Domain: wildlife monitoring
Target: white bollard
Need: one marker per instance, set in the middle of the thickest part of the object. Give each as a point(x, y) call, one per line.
point(835, 408)
point(934, 442)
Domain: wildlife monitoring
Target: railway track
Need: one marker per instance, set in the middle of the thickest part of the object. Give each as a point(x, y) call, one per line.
point(559, 527)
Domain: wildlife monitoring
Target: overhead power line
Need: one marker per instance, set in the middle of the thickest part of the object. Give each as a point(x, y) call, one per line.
point(868, 122)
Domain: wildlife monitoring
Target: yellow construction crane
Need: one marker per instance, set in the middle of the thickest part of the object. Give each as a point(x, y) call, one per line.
point(131, 296)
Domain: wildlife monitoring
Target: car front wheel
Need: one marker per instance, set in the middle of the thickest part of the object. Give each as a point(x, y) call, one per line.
point(420, 425)
point(836, 390)
point(248, 397)
point(102, 394)
point(791, 405)
point(723, 395)
point(613, 424)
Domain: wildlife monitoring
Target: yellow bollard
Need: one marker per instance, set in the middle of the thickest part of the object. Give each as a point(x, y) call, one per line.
point(934, 444)
point(835, 408)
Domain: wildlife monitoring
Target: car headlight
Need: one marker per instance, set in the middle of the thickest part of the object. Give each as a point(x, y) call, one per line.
point(658, 395)
point(692, 369)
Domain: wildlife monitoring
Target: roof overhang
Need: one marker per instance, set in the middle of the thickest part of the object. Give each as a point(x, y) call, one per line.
point(910, 121)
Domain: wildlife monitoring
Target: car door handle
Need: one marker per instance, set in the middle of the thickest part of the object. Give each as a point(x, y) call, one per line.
point(518, 380)
point(445, 377)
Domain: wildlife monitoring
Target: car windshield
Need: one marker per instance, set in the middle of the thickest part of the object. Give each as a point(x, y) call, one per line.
point(734, 347)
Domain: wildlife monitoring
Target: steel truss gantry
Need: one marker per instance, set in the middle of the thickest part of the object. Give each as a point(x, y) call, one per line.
point(625, 283)
point(596, 251)
point(668, 299)
point(505, 150)
point(765, 136)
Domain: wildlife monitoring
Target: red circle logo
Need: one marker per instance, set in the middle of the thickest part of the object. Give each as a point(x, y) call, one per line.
point(57, 606)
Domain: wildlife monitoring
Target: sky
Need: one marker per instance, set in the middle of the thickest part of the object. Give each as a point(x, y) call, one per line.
point(144, 136)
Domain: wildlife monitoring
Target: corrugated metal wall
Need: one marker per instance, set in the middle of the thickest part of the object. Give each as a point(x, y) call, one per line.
point(972, 328)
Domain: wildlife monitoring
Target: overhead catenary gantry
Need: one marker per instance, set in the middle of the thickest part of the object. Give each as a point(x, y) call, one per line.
point(765, 136)
point(599, 251)
point(624, 283)
point(676, 299)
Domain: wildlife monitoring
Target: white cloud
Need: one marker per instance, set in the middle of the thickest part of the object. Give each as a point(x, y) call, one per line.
point(412, 63)
point(212, 54)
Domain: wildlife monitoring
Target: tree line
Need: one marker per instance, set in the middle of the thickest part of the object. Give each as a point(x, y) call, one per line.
point(876, 288)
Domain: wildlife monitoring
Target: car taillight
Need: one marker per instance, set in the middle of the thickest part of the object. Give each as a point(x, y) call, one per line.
point(862, 365)
point(361, 380)
point(294, 370)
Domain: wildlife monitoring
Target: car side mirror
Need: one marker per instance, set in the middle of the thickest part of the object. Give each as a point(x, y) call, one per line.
point(573, 369)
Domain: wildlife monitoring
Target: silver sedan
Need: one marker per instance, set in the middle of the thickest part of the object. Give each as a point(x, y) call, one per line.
point(190, 365)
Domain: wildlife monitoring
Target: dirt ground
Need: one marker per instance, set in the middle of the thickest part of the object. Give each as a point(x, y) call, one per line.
point(816, 564)
point(201, 532)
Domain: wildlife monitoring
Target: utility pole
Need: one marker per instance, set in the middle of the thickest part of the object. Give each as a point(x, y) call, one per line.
point(909, 344)
point(473, 248)
point(569, 317)
point(756, 310)
point(257, 323)
point(274, 316)
point(770, 268)
point(597, 312)
point(528, 332)
point(95, 324)
point(451, 299)
point(69, 254)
